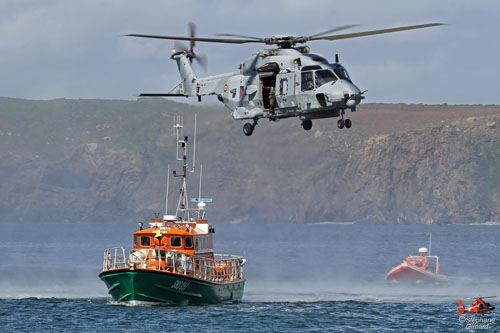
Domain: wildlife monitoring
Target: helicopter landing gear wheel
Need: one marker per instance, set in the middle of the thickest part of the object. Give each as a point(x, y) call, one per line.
point(340, 124)
point(348, 123)
point(248, 129)
point(307, 124)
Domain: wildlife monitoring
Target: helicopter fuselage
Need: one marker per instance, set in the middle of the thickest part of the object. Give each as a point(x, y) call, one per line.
point(276, 84)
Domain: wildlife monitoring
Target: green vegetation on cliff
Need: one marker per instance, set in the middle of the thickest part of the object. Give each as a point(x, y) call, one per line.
point(106, 160)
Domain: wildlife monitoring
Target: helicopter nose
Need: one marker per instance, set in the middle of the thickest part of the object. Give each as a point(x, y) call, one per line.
point(352, 94)
point(350, 90)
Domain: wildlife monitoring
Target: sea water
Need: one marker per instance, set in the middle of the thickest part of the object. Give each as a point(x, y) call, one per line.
point(300, 278)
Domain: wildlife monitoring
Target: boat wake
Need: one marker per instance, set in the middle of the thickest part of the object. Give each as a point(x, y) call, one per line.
point(300, 291)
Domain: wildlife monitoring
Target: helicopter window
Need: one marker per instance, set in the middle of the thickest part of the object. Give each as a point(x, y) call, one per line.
point(324, 76)
point(319, 59)
point(308, 68)
point(145, 241)
point(283, 86)
point(342, 73)
point(175, 241)
point(307, 82)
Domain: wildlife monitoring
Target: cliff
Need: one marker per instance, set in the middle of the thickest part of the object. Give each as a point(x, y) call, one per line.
point(102, 160)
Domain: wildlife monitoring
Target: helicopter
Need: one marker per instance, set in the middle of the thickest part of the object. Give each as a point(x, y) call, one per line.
point(277, 83)
point(479, 306)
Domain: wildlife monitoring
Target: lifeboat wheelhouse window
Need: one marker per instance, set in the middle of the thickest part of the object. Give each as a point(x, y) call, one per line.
point(175, 241)
point(136, 240)
point(196, 247)
point(188, 242)
point(145, 241)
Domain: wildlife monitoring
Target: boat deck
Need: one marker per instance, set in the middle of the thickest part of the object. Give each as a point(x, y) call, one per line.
point(219, 268)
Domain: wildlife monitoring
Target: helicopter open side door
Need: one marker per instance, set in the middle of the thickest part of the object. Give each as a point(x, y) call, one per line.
point(285, 90)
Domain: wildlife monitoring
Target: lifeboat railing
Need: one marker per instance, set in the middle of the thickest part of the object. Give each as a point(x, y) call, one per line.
point(431, 262)
point(114, 258)
point(219, 268)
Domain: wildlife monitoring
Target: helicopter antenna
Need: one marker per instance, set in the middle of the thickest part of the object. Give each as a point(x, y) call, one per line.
point(166, 200)
point(430, 242)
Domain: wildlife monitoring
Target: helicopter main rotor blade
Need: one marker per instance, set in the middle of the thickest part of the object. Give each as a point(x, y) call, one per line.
point(240, 36)
point(199, 39)
point(192, 34)
point(375, 32)
point(343, 27)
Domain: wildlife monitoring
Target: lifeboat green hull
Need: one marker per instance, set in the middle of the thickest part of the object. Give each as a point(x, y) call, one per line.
point(147, 286)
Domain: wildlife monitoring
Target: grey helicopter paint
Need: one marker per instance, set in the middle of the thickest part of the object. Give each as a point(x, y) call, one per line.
point(287, 81)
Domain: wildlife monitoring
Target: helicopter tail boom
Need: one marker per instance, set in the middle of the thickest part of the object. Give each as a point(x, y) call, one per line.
point(188, 77)
point(461, 308)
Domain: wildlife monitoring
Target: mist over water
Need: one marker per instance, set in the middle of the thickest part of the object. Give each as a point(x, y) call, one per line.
point(324, 261)
point(289, 267)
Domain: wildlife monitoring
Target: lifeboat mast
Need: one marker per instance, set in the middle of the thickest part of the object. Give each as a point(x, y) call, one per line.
point(183, 210)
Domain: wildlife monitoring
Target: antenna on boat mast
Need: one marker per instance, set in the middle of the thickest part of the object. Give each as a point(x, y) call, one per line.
point(178, 125)
point(168, 180)
point(199, 190)
point(182, 205)
point(430, 242)
point(194, 143)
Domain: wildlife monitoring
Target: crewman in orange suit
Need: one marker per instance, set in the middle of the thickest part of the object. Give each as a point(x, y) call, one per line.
point(156, 238)
point(156, 244)
point(164, 246)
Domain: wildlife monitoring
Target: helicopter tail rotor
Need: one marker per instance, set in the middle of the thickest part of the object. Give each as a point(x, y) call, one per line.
point(179, 46)
point(201, 58)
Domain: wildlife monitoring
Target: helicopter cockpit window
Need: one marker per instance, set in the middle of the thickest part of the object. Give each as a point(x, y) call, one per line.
point(307, 82)
point(308, 68)
point(342, 73)
point(319, 59)
point(324, 76)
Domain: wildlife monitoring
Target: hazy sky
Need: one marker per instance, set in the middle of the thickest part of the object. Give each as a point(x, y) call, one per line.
point(73, 49)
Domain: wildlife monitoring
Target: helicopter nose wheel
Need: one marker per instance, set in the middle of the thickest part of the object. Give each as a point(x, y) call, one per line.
point(340, 124)
point(248, 129)
point(307, 124)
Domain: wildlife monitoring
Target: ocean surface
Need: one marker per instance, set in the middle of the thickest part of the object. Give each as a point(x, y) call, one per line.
point(300, 278)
